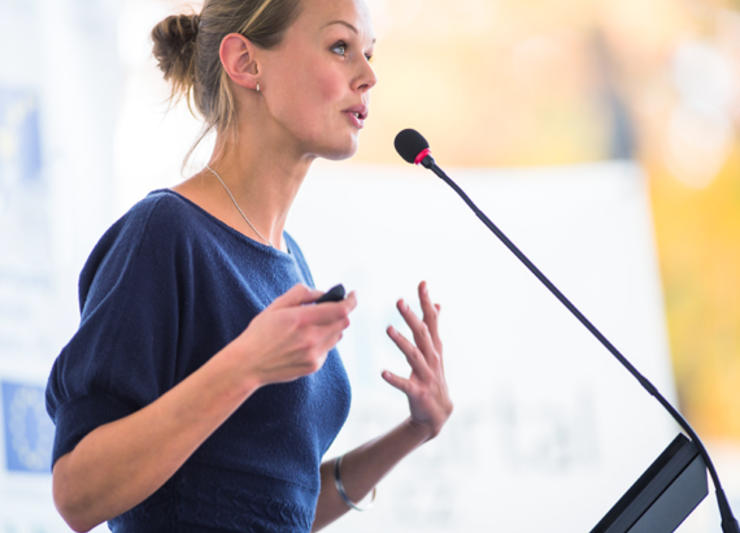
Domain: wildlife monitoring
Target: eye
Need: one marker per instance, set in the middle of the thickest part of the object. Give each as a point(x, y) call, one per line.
point(339, 48)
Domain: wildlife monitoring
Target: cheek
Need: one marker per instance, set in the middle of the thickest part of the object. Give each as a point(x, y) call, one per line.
point(310, 98)
point(319, 99)
point(316, 78)
point(330, 86)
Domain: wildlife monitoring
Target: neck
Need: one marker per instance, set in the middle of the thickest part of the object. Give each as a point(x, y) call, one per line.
point(263, 181)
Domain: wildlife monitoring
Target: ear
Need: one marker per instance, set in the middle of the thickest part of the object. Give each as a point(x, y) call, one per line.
point(237, 55)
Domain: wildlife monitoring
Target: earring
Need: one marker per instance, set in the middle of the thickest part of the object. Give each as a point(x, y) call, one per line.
point(258, 86)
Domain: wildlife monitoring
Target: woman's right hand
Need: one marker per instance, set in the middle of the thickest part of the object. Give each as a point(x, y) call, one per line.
point(290, 339)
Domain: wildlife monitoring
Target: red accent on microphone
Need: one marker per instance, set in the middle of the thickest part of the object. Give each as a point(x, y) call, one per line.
point(419, 158)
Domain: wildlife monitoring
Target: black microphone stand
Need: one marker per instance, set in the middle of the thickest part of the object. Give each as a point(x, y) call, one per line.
point(729, 523)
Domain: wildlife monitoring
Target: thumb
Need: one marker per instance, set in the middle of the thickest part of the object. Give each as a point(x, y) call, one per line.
point(299, 294)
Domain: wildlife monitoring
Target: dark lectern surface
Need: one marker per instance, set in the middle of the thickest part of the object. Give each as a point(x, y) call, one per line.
point(663, 496)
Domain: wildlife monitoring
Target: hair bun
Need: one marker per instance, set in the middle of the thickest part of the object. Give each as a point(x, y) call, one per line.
point(174, 48)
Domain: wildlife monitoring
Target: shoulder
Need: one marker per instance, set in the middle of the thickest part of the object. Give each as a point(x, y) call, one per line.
point(162, 210)
point(148, 234)
point(158, 218)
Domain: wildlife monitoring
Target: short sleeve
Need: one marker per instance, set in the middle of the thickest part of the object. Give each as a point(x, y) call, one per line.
point(123, 355)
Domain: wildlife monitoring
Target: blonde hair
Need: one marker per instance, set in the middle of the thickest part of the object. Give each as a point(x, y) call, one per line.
point(187, 46)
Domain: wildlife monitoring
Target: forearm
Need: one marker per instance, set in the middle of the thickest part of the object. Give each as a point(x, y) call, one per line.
point(119, 464)
point(363, 468)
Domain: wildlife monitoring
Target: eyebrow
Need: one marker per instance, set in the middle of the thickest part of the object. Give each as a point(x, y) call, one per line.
point(345, 23)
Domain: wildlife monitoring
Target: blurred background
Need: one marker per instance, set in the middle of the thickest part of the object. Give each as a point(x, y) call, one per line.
point(529, 99)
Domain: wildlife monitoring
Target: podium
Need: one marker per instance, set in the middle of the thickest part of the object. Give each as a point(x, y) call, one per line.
point(664, 495)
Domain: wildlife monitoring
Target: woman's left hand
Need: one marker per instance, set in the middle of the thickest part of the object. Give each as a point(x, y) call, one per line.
point(426, 387)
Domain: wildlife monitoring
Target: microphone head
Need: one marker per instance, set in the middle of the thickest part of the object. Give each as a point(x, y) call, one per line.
point(409, 144)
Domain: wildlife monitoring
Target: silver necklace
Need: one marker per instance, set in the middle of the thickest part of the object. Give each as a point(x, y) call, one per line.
point(228, 191)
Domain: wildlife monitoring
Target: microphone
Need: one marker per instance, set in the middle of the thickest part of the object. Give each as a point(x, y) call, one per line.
point(414, 148)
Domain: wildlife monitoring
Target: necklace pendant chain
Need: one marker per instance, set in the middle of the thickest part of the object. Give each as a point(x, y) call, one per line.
point(228, 191)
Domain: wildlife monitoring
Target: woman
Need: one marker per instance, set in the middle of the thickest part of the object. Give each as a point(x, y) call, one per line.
point(202, 387)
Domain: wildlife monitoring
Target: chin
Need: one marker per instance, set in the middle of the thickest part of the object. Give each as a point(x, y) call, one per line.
point(338, 153)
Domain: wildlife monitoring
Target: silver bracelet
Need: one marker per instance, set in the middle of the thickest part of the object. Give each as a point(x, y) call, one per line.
point(343, 494)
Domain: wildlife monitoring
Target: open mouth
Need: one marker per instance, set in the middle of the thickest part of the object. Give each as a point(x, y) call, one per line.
point(359, 112)
point(357, 117)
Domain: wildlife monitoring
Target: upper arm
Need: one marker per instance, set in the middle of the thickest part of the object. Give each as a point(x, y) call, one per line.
point(123, 354)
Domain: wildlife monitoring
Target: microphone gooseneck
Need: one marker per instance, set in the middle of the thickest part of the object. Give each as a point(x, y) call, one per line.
point(413, 148)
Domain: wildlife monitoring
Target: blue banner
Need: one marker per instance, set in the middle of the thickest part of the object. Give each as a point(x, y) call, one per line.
point(28, 430)
point(20, 145)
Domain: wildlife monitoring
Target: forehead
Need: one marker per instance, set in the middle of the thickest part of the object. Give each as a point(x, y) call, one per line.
point(317, 14)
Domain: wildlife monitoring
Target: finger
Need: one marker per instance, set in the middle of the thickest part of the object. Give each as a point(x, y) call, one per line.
point(350, 301)
point(297, 295)
point(329, 312)
point(418, 328)
point(431, 312)
point(323, 343)
point(413, 355)
point(332, 340)
point(404, 385)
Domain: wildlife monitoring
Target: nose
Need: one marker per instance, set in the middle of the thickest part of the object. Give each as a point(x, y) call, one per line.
point(366, 79)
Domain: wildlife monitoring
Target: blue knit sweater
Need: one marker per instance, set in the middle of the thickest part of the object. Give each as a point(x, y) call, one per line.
point(165, 288)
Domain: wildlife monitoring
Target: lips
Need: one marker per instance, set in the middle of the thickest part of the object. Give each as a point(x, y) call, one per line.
point(357, 115)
